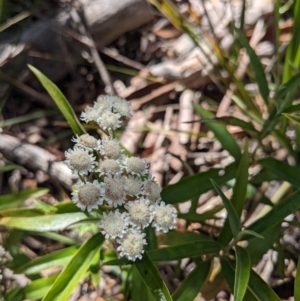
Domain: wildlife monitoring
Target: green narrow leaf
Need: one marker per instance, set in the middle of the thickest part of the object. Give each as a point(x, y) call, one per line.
point(242, 273)
point(297, 282)
point(37, 289)
point(15, 199)
point(191, 285)
point(43, 223)
point(257, 289)
point(191, 249)
point(277, 214)
point(69, 278)
point(259, 73)
point(239, 194)
point(193, 186)
point(56, 258)
point(152, 279)
point(282, 170)
point(220, 131)
point(232, 216)
point(60, 101)
point(185, 250)
point(284, 89)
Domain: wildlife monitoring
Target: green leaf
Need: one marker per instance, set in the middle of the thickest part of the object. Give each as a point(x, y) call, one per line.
point(193, 186)
point(239, 194)
point(242, 273)
point(259, 73)
point(277, 214)
point(152, 279)
point(37, 289)
point(69, 278)
point(257, 289)
point(282, 170)
point(176, 238)
point(295, 118)
point(196, 217)
point(60, 101)
point(191, 249)
point(43, 223)
point(284, 89)
point(9, 167)
point(191, 285)
point(14, 199)
point(176, 252)
point(56, 258)
point(297, 283)
point(232, 216)
point(220, 131)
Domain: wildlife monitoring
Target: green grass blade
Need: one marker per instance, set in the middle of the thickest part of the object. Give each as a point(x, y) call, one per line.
point(56, 258)
point(239, 194)
point(220, 131)
point(14, 199)
point(152, 279)
point(191, 285)
point(60, 101)
point(232, 215)
point(277, 214)
point(193, 186)
point(242, 273)
point(69, 278)
point(297, 283)
point(43, 223)
point(259, 73)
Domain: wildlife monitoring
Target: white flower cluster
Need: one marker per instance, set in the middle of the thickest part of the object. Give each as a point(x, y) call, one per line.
point(121, 183)
point(2, 253)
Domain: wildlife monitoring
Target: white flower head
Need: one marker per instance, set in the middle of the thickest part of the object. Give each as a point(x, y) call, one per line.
point(113, 189)
point(103, 103)
point(152, 190)
point(114, 224)
point(133, 186)
point(110, 149)
point(122, 106)
point(89, 114)
point(164, 217)
point(140, 213)
point(86, 141)
point(136, 166)
point(80, 161)
point(108, 167)
point(109, 120)
point(88, 195)
point(132, 245)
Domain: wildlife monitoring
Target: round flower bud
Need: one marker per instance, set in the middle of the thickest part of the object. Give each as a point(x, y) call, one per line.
point(132, 245)
point(122, 106)
point(86, 141)
point(109, 166)
point(110, 149)
point(152, 190)
point(79, 161)
point(164, 217)
point(133, 186)
point(114, 224)
point(136, 166)
point(109, 121)
point(88, 196)
point(103, 103)
point(114, 190)
point(140, 212)
point(89, 114)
